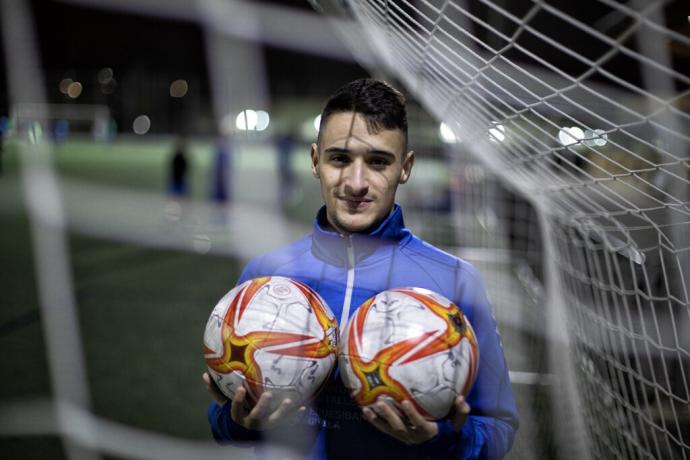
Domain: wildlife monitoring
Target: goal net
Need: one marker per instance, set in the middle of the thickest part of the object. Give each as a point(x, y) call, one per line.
point(564, 177)
point(578, 114)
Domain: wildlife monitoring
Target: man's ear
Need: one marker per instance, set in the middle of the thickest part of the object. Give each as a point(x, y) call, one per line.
point(408, 163)
point(315, 160)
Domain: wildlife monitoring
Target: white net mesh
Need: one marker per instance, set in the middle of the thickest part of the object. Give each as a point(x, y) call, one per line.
point(583, 109)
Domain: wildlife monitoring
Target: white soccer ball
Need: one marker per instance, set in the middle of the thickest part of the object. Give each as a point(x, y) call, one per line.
point(271, 334)
point(409, 344)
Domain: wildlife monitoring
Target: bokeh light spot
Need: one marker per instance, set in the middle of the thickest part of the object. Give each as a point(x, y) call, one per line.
point(262, 120)
point(179, 88)
point(64, 84)
point(74, 89)
point(141, 124)
point(105, 75)
point(447, 134)
point(246, 120)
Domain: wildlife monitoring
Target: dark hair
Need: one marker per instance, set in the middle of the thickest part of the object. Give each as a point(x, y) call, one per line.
point(381, 105)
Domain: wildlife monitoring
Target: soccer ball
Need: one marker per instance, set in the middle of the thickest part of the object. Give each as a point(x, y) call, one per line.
point(271, 334)
point(409, 344)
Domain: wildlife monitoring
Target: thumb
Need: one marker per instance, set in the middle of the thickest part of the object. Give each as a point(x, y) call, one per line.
point(213, 389)
point(462, 411)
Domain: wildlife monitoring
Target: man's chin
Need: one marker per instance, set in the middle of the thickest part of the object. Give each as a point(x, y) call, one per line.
point(358, 226)
point(350, 225)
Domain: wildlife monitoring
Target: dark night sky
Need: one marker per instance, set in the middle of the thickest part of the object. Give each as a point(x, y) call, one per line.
point(76, 41)
point(81, 38)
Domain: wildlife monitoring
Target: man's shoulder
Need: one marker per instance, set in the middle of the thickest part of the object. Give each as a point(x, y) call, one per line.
point(417, 247)
point(439, 266)
point(284, 256)
point(431, 267)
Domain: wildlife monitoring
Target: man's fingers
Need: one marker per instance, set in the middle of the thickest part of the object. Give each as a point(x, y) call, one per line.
point(386, 412)
point(414, 418)
point(282, 410)
point(371, 417)
point(465, 408)
point(368, 414)
point(240, 395)
point(462, 411)
point(213, 389)
point(261, 406)
point(238, 409)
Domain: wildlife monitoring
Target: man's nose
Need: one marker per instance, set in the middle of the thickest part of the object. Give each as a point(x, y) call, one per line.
point(356, 183)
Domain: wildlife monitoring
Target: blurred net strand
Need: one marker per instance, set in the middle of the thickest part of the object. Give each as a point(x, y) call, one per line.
point(565, 370)
point(42, 194)
point(44, 417)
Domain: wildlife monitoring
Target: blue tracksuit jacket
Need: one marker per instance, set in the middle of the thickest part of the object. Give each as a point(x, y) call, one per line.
point(346, 271)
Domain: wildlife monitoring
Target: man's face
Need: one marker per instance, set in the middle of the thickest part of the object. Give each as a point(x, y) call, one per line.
point(359, 171)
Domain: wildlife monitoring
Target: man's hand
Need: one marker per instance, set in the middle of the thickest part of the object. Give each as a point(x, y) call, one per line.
point(256, 417)
point(461, 410)
point(411, 427)
point(213, 390)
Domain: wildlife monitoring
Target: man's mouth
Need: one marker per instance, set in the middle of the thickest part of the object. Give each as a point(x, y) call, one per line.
point(356, 203)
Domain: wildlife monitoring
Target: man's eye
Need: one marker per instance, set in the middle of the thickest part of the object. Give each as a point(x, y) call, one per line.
point(379, 162)
point(339, 159)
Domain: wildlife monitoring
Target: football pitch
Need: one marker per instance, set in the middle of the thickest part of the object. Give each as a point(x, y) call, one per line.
point(141, 309)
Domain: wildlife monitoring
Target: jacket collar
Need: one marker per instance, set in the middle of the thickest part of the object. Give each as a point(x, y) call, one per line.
point(332, 247)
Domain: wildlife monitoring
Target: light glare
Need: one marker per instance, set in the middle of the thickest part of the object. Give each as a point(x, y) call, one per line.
point(497, 133)
point(570, 136)
point(596, 138)
point(246, 120)
point(447, 134)
point(262, 120)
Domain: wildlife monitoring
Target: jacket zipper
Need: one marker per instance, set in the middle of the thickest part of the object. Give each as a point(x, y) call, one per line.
point(350, 283)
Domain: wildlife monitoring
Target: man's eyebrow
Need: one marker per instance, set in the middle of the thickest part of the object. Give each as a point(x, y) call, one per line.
point(384, 153)
point(336, 150)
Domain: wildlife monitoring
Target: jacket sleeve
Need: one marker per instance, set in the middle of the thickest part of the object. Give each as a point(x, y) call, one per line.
point(490, 428)
point(223, 427)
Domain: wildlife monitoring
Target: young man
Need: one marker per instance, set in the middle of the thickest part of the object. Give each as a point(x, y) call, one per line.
point(358, 248)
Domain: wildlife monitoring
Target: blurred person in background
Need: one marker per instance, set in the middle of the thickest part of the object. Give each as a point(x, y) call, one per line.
point(284, 147)
point(179, 170)
point(221, 171)
point(4, 127)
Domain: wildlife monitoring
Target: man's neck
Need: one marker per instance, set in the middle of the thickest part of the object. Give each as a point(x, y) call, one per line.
point(343, 232)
